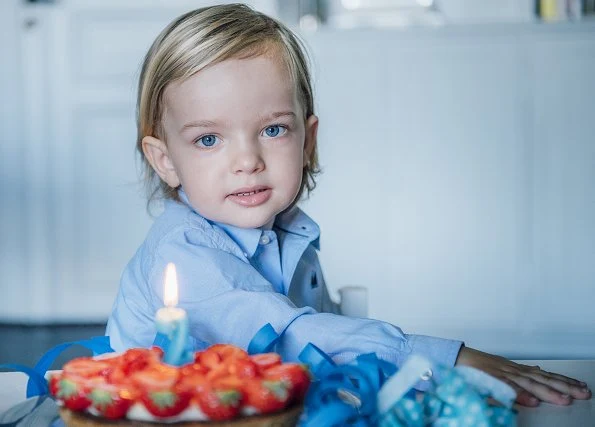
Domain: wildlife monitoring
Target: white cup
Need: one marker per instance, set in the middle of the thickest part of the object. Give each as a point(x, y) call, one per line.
point(354, 301)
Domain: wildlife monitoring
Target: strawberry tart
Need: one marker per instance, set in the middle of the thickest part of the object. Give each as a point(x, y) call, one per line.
point(222, 386)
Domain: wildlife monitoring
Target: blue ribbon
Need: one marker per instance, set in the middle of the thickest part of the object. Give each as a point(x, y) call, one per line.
point(384, 369)
point(98, 345)
point(265, 340)
point(346, 395)
point(318, 361)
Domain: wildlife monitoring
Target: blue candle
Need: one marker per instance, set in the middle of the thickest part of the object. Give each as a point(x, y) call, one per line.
point(172, 323)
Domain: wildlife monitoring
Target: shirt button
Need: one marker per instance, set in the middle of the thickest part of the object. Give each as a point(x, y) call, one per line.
point(427, 375)
point(265, 240)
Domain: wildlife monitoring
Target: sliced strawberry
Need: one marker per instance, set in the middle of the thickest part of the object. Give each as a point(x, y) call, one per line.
point(166, 403)
point(158, 351)
point(219, 403)
point(54, 384)
point(193, 382)
point(208, 359)
point(234, 366)
point(73, 391)
point(136, 359)
point(118, 375)
point(266, 360)
point(243, 368)
point(112, 401)
point(87, 367)
point(133, 360)
point(266, 395)
point(229, 382)
point(156, 377)
point(228, 351)
point(162, 396)
point(192, 369)
point(296, 376)
point(219, 371)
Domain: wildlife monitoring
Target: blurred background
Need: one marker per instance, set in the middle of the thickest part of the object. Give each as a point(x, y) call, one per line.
point(457, 141)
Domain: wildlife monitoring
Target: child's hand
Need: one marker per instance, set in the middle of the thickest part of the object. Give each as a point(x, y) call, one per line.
point(530, 382)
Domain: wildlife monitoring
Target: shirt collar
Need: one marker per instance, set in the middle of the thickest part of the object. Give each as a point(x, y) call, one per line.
point(246, 238)
point(293, 221)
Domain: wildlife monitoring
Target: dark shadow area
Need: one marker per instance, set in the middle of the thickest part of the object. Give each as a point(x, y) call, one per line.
point(25, 344)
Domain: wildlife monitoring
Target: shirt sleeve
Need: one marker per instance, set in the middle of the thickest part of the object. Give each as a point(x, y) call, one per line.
point(228, 302)
point(131, 323)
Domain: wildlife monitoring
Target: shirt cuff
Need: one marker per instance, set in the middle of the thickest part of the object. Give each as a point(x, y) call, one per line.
point(438, 350)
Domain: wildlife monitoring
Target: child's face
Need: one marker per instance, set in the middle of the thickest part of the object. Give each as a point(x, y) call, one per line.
point(237, 141)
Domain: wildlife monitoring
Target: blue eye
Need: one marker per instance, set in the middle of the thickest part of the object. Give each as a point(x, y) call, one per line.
point(207, 140)
point(275, 130)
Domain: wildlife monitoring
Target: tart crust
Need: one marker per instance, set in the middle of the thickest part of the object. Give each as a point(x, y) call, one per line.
point(286, 418)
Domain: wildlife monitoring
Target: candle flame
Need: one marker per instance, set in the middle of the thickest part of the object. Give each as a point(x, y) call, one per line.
point(170, 294)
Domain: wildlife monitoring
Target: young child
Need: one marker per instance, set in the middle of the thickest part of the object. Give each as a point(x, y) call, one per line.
point(227, 134)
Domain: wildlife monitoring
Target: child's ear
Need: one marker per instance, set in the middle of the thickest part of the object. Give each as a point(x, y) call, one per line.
point(157, 155)
point(311, 137)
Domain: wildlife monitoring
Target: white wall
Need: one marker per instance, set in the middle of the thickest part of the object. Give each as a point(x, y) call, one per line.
point(459, 181)
point(12, 245)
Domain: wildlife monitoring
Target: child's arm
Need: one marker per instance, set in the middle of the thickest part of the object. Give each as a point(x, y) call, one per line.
point(131, 323)
point(530, 382)
point(228, 302)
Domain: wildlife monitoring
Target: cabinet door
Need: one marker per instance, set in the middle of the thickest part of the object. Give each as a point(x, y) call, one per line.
point(80, 208)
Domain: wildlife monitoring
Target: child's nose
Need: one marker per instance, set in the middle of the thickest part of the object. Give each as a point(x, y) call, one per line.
point(248, 158)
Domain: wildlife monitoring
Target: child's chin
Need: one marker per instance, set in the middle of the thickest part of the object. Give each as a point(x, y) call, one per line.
point(255, 217)
point(251, 222)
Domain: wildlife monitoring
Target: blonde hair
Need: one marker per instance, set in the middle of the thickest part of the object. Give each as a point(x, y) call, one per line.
point(205, 37)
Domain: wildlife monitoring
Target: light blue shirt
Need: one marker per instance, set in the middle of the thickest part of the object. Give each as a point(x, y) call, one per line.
point(232, 281)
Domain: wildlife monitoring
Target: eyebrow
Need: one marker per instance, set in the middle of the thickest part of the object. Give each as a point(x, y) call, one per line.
point(209, 123)
point(198, 124)
point(280, 114)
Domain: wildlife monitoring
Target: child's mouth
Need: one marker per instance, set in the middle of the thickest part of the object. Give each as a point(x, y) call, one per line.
point(249, 197)
point(249, 193)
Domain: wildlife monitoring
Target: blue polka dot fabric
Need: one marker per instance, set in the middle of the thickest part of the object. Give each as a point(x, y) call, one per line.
point(457, 401)
point(372, 392)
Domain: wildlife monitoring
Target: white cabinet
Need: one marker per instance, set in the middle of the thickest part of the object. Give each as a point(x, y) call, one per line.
point(459, 165)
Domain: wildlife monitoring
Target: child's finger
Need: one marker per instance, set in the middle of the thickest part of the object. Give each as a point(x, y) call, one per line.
point(523, 397)
point(554, 383)
point(561, 383)
point(569, 380)
point(540, 390)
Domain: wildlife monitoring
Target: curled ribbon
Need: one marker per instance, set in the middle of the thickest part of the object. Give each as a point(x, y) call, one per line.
point(38, 411)
point(372, 392)
point(98, 345)
point(344, 394)
point(367, 392)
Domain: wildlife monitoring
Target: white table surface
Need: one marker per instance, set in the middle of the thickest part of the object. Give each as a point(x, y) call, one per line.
point(581, 413)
